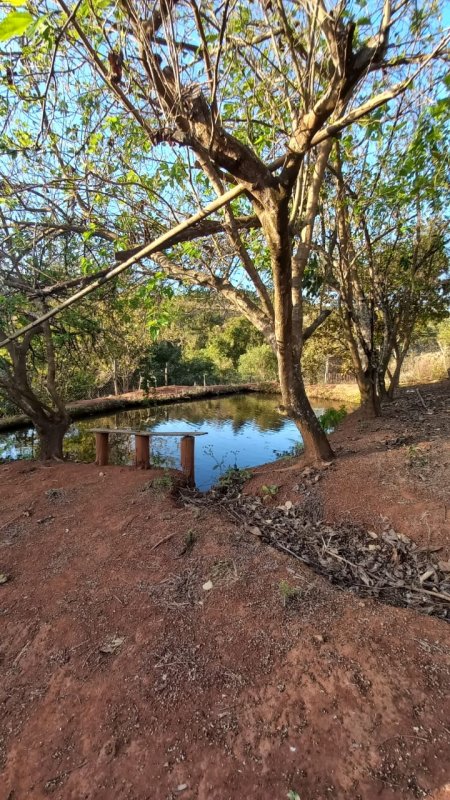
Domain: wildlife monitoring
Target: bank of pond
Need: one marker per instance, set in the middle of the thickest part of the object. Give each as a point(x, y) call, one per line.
point(244, 430)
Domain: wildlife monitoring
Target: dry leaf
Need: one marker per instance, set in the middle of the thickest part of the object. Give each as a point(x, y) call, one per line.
point(113, 645)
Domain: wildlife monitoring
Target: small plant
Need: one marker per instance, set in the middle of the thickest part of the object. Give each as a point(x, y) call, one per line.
point(234, 476)
point(332, 417)
point(55, 494)
point(293, 795)
point(269, 490)
point(416, 457)
point(209, 451)
point(161, 483)
point(189, 541)
point(288, 592)
point(292, 452)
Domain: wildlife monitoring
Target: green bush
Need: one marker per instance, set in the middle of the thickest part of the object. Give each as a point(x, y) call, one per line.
point(259, 363)
point(332, 417)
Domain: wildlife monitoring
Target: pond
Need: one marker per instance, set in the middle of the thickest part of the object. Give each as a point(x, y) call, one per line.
point(243, 430)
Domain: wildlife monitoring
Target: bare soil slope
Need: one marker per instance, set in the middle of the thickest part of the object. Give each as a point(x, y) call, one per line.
point(124, 675)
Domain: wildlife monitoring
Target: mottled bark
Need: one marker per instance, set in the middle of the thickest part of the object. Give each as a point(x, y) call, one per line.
point(368, 390)
point(275, 222)
point(51, 433)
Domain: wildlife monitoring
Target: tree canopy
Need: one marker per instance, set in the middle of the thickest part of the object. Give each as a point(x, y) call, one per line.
point(329, 123)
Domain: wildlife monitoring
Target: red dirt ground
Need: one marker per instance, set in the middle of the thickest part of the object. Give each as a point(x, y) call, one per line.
point(122, 678)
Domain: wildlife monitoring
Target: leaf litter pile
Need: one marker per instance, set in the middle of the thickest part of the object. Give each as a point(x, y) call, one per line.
point(387, 566)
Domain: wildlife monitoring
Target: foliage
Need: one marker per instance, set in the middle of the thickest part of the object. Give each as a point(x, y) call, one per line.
point(164, 359)
point(288, 592)
point(269, 490)
point(326, 350)
point(233, 478)
point(162, 483)
point(228, 344)
point(15, 24)
point(331, 418)
point(95, 166)
point(424, 367)
point(293, 452)
point(443, 333)
point(258, 363)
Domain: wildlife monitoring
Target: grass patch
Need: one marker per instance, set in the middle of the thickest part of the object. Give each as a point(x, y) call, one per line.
point(288, 593)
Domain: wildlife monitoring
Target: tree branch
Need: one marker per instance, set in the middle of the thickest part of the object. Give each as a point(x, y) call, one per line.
point(308, 332)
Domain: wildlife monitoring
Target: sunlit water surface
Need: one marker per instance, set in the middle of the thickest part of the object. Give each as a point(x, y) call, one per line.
point(242, 430)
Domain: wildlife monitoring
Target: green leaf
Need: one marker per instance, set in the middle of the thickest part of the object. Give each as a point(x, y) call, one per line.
point(14, 24)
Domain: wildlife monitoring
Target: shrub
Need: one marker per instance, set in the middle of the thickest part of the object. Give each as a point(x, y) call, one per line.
point(258, 363)
point(423, 368)
point(332, 417)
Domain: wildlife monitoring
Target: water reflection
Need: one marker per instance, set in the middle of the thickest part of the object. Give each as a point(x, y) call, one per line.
point(19, 444)
point(243, 431)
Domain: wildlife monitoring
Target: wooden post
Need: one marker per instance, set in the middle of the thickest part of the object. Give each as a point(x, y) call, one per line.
point(101, 449)
point(142, 448)
point(187, 458)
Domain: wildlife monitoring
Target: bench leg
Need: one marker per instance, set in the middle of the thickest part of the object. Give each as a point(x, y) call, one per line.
point(142, 449)
point(101, 449)
point(187, 458)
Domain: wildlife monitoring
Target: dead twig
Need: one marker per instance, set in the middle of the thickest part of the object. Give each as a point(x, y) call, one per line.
point(441, 595)
point(165, 539)
point(422, 400)
point(19, 655)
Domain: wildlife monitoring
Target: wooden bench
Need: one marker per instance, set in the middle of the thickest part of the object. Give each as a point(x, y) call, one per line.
point(142, 447)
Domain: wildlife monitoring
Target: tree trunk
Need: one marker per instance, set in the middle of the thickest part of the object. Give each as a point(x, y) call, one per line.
point(382, 388)
point(51, 435)
point(395, 379)
point(315, 440)
point(367, 385)
point(400, 351)
point(275, 222)
point(115, 378)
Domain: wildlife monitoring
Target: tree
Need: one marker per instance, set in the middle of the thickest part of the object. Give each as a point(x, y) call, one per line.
point(387, 251)
point(163, 362)
point(23, 261)
point(227, 345)
point(177, 82)
point(258, 363)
